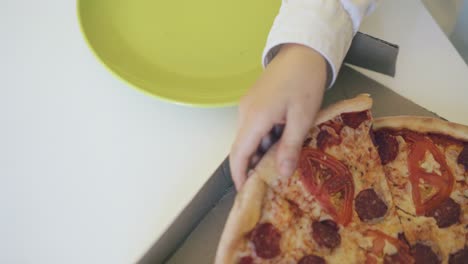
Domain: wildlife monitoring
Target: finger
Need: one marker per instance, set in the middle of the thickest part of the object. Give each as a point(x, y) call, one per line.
point(245, 145)
point(297, 126)
point(265, 144)
point(254, 160)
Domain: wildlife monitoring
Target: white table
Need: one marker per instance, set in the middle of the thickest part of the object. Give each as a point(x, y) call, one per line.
point(93, 171)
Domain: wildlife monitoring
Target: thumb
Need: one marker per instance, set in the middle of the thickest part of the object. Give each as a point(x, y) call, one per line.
point(297, 127)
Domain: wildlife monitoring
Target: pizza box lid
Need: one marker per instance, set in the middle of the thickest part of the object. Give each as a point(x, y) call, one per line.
point(193, 236)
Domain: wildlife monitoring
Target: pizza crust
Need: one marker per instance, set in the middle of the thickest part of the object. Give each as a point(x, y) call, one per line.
point(359, 103)
point(423, 125)
point(266, 169)
point(243, 217)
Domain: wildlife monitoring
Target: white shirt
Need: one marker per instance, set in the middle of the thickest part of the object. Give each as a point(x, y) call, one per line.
point(327, 26)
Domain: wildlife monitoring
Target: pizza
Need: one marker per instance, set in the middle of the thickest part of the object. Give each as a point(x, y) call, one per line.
point(350, 199)
point(336, 208)
point(426, 163)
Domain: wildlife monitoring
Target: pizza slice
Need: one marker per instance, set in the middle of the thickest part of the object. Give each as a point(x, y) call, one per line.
point(263, 227)
point(426, 163)
point(340, 176)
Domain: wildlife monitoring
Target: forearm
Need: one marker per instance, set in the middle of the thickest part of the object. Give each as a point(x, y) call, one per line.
point(293, 56)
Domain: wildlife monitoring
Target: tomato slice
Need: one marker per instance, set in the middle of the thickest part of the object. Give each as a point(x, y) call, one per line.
point(440, 185)
point(370, 260)
point(378, 244)
point(329, 181)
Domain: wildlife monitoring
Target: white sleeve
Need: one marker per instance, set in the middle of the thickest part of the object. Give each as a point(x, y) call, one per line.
point(327, 26)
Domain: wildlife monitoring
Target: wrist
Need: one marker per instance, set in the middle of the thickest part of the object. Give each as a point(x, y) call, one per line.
point(302, 53)
point(303, 58)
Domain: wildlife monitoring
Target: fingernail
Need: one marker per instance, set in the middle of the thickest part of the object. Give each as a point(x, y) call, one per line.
point(286, 168)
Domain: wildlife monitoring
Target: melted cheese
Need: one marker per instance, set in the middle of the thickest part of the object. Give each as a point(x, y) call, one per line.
point(276, 211)
point(398, 176)
point(460, 197)
point(451, 156)
point(366, 242)
point(389, 248)
point(426, 190)
point(430, 165)
point(348, 251)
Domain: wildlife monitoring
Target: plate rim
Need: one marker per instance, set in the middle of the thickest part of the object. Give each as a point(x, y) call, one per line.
point(189, 103)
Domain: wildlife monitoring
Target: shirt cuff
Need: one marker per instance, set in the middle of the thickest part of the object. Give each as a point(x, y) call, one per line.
point(323, 25)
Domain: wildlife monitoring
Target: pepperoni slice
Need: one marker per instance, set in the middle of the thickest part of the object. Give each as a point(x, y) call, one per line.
point(424, 255)
point(446, 213)
point(459, 257)
point(369, 205)
point(311, 259)
point(387, 146)
point(337, 126)
point(443, 140)
point(246, 260)
point(463, 157)
point(266, 239)
point(325, 140)
point(372, 137)
point(354, 119)
point(397, 258)
point(331, 224)
point(402, 238)
point(325, 233)
point(394, 259)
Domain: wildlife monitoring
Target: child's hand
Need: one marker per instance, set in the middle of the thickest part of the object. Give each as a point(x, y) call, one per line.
point(289, 92)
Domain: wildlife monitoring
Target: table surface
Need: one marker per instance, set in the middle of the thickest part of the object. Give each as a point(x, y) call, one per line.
point(94, 171)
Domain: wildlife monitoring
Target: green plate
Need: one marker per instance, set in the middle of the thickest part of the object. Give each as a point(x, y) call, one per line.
point(195, 52)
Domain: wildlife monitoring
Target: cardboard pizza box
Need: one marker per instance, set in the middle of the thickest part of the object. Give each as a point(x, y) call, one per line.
point(193, 237)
